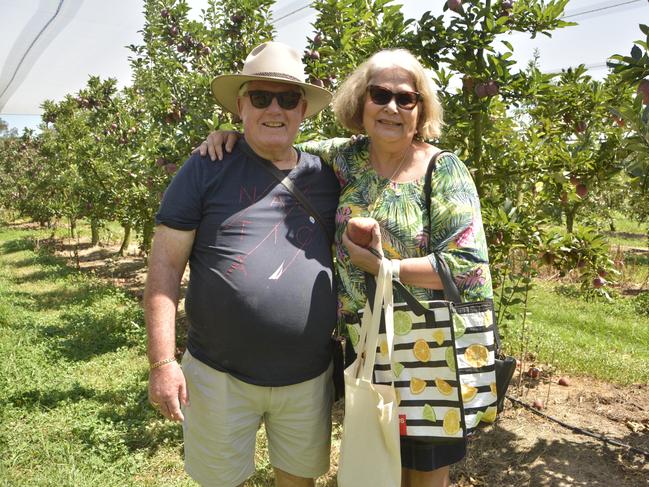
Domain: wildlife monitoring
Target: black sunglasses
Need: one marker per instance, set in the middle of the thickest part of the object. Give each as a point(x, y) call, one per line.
point(287, 100)
point(405, 99)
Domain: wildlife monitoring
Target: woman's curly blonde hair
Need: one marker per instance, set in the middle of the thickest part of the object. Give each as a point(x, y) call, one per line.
point(349, 100)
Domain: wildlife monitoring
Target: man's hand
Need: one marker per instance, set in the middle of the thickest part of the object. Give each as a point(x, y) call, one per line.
point(215, 143)
point(168, 390)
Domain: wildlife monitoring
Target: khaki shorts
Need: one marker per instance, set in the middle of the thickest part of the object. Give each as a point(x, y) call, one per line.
point(225, 413)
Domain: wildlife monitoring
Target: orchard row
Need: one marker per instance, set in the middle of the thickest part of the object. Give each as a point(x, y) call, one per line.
point(541, 147)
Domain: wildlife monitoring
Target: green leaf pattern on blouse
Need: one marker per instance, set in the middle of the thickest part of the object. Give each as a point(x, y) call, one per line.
point(456, 234)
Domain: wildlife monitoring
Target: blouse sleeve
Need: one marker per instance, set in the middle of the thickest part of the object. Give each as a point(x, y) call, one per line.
point(332, 152)
point(456, 230)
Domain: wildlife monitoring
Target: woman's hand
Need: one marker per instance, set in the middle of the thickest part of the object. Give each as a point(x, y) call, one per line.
point(367, 258)
point(215, 143)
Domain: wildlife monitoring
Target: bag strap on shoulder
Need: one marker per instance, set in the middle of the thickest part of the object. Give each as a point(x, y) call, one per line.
point(295, 191)
point(451, 292)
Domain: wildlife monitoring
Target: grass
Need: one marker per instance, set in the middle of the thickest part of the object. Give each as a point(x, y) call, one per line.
point(73, 380)
point(628, 233)
point(608, 341)
point(73, 373)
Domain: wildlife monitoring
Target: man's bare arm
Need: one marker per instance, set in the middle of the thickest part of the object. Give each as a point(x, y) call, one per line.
point(169, 254)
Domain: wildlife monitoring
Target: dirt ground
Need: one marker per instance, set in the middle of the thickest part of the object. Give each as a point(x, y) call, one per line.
point(522, 448)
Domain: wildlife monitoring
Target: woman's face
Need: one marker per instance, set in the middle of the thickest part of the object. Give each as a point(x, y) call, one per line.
point(390, 123)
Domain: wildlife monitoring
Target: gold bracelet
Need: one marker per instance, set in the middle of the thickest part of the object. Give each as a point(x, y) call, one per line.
point(160, 363)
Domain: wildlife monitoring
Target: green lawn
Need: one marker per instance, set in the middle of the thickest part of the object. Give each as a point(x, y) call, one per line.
point(609, 341)
point(74, 409)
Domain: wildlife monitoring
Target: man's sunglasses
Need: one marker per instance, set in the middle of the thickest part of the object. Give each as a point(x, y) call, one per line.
point(405, 99)
point(287, 100)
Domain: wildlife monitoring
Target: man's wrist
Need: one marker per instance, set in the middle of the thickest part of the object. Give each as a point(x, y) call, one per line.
point(160, 363)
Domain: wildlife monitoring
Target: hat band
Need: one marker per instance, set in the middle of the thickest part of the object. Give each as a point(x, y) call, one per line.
point(270, 74)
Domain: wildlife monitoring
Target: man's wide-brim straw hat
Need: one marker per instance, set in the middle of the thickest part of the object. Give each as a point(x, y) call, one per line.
point(271, 61)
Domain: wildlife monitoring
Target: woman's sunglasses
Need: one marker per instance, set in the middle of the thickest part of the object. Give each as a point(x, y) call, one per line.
point(405, 99)
point(287, 100)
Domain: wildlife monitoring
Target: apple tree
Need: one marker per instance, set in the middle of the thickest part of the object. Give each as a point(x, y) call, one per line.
point(172, 70)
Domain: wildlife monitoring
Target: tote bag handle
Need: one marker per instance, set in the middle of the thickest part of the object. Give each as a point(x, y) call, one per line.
point(369, 334)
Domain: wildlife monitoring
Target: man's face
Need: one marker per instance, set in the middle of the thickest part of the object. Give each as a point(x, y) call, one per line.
point(270, 131)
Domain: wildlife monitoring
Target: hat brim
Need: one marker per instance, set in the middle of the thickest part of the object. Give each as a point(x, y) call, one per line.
point(225, 89)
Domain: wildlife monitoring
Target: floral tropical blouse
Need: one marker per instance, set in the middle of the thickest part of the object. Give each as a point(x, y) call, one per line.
point(456, 232)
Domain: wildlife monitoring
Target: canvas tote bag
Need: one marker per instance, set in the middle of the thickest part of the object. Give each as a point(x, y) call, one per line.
point(370, 454)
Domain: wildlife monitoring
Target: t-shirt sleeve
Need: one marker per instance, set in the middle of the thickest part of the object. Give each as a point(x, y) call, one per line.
point(182, 203)
point(457, 233)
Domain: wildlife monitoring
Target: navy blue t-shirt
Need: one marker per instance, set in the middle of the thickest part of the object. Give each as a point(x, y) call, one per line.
point(261, 301)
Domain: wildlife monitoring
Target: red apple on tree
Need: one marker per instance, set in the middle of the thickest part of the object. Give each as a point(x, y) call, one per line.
point(580, 127)
point(468, 83)
point(491, 88)
point(643, 89)
point(582, 190)
point(598, 282)
point(454, 5)
point(359, 230)
point(481, 90)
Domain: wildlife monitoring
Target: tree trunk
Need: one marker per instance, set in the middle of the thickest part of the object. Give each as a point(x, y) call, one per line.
point(73, 232)
point(94, 230)
point(73, 227)
point(147, 237)
point(126, 240)
point(570, 219)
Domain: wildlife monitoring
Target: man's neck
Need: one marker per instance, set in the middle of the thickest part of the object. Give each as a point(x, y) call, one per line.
point(285, 158)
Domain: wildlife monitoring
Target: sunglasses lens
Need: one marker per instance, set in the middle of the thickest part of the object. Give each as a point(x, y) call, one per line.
point(406, 100)
point(382, 96)
point(379, 95)
point(287, 100)
point(260, 99)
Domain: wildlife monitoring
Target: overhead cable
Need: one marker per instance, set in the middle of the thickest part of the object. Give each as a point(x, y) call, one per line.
point(293, 12)
point(40, 33)
point(600, 9)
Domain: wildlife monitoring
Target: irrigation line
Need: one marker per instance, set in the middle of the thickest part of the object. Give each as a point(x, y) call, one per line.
point(576, 429)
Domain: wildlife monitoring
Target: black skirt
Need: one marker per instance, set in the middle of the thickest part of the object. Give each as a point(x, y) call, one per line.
point(425, 456)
